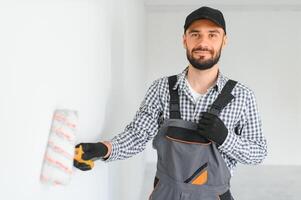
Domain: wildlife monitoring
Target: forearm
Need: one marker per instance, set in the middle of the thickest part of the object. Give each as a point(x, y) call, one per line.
point(128, 144)
point(244, 150)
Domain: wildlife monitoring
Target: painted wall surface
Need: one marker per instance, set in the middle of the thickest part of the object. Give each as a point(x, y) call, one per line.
point(80, 55)
point(127, 20)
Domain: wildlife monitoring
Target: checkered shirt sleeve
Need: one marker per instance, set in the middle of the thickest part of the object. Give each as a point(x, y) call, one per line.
point(141, 130)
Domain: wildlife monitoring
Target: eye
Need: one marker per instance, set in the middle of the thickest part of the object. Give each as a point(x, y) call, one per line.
point(194, 34)
point(212, 35)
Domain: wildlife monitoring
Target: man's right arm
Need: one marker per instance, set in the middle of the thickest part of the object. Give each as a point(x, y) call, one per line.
point(142, 129)
point(135, 136)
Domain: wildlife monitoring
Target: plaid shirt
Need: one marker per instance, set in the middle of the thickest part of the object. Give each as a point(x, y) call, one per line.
point(245, 142)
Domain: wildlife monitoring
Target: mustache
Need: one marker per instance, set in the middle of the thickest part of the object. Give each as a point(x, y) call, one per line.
point(202, 49)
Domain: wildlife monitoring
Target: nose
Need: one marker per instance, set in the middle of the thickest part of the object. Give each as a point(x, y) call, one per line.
point(202, 42)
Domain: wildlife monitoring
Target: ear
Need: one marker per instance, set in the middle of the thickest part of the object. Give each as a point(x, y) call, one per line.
point(225, 41)
point(184, 41)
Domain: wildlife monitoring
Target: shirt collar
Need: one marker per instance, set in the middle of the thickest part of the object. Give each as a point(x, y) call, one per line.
point(219, 84)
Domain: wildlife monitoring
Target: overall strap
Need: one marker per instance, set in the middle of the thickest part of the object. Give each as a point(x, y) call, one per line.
point(223, 98)
point(174, 104)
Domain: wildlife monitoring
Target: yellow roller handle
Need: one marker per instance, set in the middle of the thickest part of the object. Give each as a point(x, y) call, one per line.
point(78, 157)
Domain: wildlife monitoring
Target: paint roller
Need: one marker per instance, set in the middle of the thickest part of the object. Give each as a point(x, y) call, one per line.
point(57, 167)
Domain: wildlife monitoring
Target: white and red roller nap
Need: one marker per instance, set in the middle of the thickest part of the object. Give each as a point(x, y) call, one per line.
point(58, 160)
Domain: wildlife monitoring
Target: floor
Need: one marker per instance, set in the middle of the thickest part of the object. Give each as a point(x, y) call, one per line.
point(264, 182)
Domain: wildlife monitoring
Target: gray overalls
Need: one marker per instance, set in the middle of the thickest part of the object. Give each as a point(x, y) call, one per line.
point(190, 167)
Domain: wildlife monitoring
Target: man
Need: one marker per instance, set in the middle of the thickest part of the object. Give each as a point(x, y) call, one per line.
point(202, 123)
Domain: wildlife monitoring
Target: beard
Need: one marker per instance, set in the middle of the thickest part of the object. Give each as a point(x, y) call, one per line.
point(200, 63)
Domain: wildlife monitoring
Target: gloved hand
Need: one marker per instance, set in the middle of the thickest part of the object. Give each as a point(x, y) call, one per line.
point(91, 151)
point(212, 128)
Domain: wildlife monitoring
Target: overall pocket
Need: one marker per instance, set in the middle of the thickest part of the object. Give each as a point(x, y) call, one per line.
point(199, 177)
point(185, 136)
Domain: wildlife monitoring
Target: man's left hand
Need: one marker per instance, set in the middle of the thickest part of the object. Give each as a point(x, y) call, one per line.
point(213, 128)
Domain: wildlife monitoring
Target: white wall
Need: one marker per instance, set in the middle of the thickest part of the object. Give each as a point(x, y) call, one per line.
point(128, 88)
point(263, 53)
point(79, 55)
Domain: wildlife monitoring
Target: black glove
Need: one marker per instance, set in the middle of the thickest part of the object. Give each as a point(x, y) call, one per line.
point(92, 151)
point(212, 128)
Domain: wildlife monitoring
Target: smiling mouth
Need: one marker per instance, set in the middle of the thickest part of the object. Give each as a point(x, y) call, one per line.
point(199, 51)
point(201, 55)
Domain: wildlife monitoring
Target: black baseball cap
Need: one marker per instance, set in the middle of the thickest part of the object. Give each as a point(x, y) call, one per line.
point(205, 12)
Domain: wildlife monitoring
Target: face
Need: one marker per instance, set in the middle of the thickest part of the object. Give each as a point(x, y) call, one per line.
point(203, 41)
